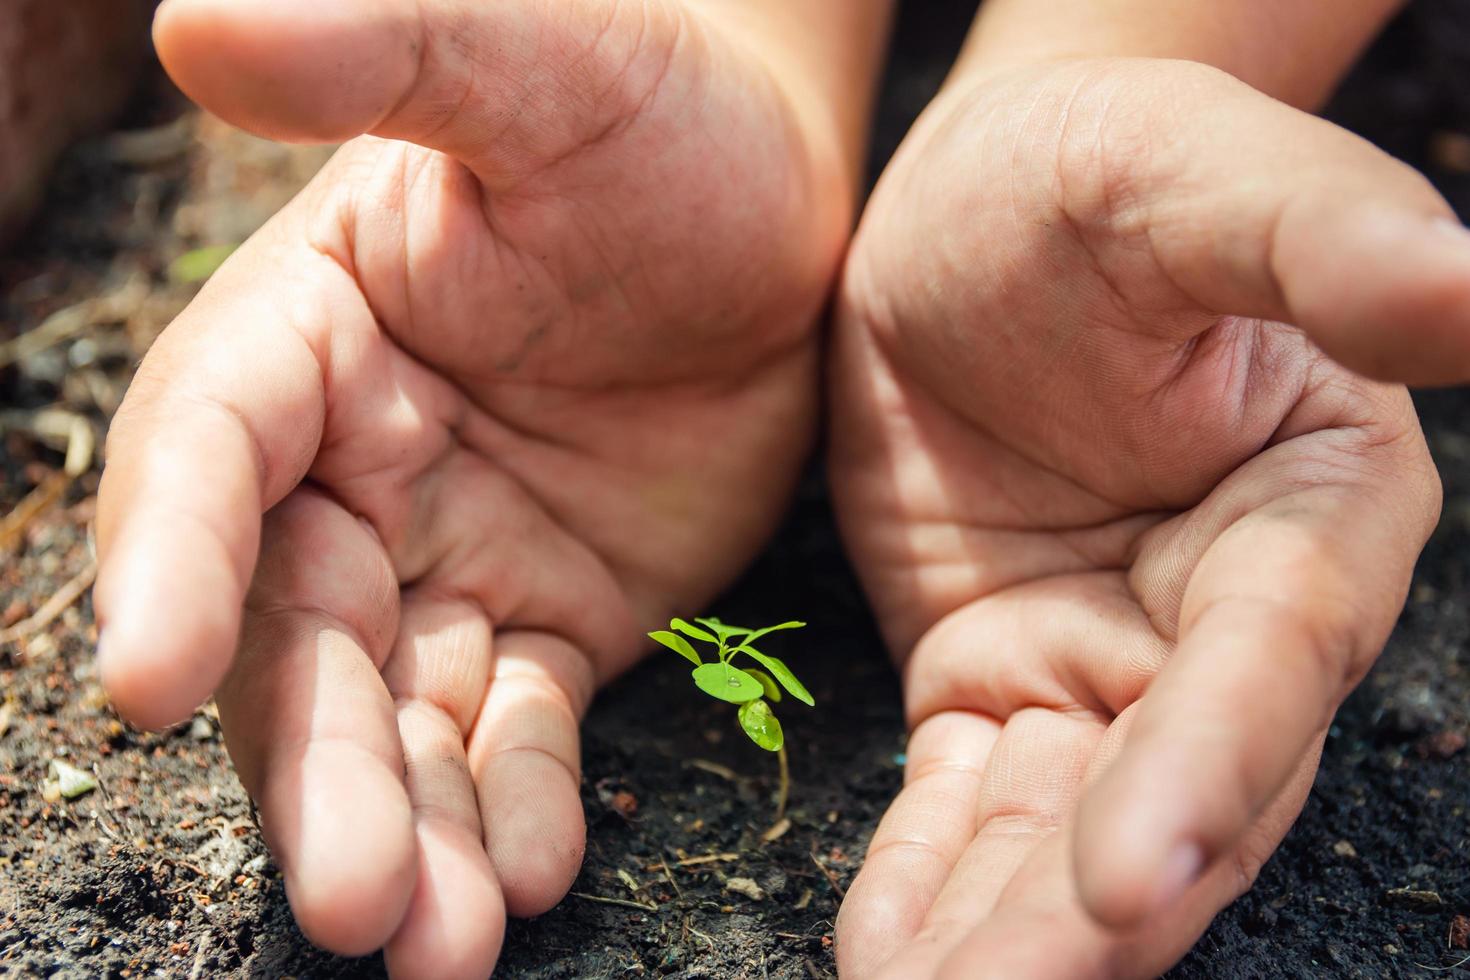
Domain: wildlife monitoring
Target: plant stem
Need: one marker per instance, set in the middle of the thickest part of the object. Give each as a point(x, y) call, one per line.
point(785, 787)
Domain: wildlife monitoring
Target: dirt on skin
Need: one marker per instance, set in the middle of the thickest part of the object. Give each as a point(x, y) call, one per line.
point(160, 869)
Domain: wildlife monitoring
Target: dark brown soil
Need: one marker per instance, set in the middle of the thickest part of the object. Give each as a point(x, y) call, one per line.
point(160, 870)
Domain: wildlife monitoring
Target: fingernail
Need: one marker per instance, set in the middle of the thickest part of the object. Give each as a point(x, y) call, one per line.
point(1181, 870)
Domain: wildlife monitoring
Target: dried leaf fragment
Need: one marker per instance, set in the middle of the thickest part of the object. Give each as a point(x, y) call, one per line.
point(68, 782)
point(746, 887)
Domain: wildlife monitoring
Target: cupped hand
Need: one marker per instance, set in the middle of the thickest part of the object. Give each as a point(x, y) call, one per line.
point(520, 373)
point(1131, 533)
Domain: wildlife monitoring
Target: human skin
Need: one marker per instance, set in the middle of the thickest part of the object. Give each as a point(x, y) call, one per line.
point(515, 378)
point(1131, 536)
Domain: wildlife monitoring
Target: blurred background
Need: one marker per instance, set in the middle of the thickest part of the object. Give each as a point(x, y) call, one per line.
point(125, 854)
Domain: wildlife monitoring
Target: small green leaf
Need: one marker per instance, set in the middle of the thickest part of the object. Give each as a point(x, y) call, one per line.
point(689, 629)
point(757, 634)
point(199, 264)
point(773, 692)
point(761, 725)
point(676, 643)
point(727, 683)
point(782, 673)
point(723, 631)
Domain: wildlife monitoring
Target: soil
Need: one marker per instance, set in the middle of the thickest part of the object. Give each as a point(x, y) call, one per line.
point(160, 870)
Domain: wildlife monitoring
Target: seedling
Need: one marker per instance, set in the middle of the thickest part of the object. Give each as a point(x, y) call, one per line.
point(753, 689)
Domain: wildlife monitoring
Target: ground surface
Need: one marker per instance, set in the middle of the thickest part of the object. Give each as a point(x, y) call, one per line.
point(160, 871)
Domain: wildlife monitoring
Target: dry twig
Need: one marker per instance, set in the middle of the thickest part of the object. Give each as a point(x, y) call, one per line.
point(59, 428)
point(831, 878)
point(715, 769)
point(53, 607)
point(1441, 969)
point(111, 307)
point(616, 901)
point(777, 830)
point(701, 859)
point(664, 867)
point(33, 505)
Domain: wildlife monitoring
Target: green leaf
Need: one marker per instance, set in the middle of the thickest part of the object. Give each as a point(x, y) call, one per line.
point(757, 634)
point(689, 629)
point(676, 643)
point(721, 630)
point(782, 673)
point(769, 686)
point(727, 683)
point(199, 264)
point(761, 725)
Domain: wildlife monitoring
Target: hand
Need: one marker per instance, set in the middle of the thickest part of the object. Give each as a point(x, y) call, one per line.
point(1131, 552)
point(511, 381)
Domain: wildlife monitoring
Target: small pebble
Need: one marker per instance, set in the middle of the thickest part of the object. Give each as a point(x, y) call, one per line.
point(625, 803)
point(1460, 932)
point(82, 353)
point(1442, 745)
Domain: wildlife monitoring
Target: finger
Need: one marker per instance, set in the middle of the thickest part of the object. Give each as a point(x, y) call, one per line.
point(1256, 209)
point(525, 755)
point(311, 729)
point(437, 675)
point(1030, 784)
point(1067, 642)
point(496, 85)
point(1283, 614)
point(1099, 649)
point(922, 835)
point(220, 423)
point(1039, 928)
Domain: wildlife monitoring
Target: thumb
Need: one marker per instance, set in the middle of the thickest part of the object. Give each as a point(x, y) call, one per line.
point(500, 86)
point(1254, 208)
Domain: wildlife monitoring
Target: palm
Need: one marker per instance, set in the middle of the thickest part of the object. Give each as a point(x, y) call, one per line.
point(511, 401)
point(1048, 468)
point(586, 357)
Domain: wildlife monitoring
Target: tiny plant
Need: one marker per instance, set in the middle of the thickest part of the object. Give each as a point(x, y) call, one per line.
point(752, 688)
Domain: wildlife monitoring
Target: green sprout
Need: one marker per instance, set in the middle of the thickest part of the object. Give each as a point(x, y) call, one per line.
point(752, 688)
